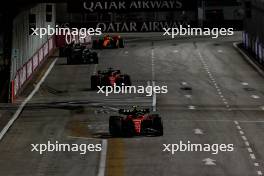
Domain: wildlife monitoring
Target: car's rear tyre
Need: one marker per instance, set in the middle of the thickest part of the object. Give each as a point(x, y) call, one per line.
point(157, 125)
point(94, 82)
point(115, 126)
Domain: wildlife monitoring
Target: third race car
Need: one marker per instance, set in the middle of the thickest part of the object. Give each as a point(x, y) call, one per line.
point(80, 54)
point(135, 122)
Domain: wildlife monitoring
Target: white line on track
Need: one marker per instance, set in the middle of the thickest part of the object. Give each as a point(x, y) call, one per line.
point(95, 69)
point(244, 138)
point(211, 77)
point(102, 162)
point(252, 156)
point(23, 104)
point(241, 132)
point(259, 173)
point(244, 83)
point(250, 150)
point(256, 164)
point(247, 143)
point(154, 96)
point(192, 107)
point(255, 96)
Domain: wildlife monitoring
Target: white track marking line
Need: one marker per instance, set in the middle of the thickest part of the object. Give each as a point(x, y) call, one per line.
point(154, 96)
point(95, 69)
point(102, 162)
point(238, 127)
point(212, 79)
point(23, 104)
point(244, 138)
point(188, 96)
point(252, 156)
point(255, 96)
point(247, 143)
point(236, 122)
point(192, 107)
point(256, 164)
point(244, 83)
point(249, 150)
point(259, 173)
point(241, 132)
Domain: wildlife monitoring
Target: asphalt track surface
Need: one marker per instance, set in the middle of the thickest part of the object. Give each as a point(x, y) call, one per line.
point(214, 97)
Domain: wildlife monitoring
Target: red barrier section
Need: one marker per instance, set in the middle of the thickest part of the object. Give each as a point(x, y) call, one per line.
point(31, 66)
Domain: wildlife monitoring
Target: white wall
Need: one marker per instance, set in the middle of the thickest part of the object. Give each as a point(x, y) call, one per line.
point(24, 45)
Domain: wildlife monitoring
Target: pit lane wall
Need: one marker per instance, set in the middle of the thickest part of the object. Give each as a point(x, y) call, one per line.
point(253, 36)
point(29, 52)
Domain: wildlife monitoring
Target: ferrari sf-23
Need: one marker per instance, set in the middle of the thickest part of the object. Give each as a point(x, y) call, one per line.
point(109, 77)
point(135, 122)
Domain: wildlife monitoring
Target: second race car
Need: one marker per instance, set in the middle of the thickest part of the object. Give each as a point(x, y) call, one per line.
point(109, 78)
point(79, 54)
point(135, 122)
point(108, 42)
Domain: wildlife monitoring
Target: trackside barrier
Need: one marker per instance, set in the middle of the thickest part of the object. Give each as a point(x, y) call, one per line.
point(255, 46)
point(24, 74)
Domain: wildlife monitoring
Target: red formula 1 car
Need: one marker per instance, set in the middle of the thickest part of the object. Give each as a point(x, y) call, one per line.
point(108, 42)
point(135, 122)
point(109, 78)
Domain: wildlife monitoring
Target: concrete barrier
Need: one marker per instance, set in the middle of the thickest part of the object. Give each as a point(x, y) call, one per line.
point(24, 74)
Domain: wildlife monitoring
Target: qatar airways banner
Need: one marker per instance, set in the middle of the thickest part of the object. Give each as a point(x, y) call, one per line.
point(133, 26)
point(90, 6)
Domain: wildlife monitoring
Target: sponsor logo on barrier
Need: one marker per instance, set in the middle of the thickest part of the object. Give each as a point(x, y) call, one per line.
point(40, 54)
point(35, 61)
point(16, 84)
point(50, 44)
point(22, 76)
point(46, 49)
point(29, 68)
